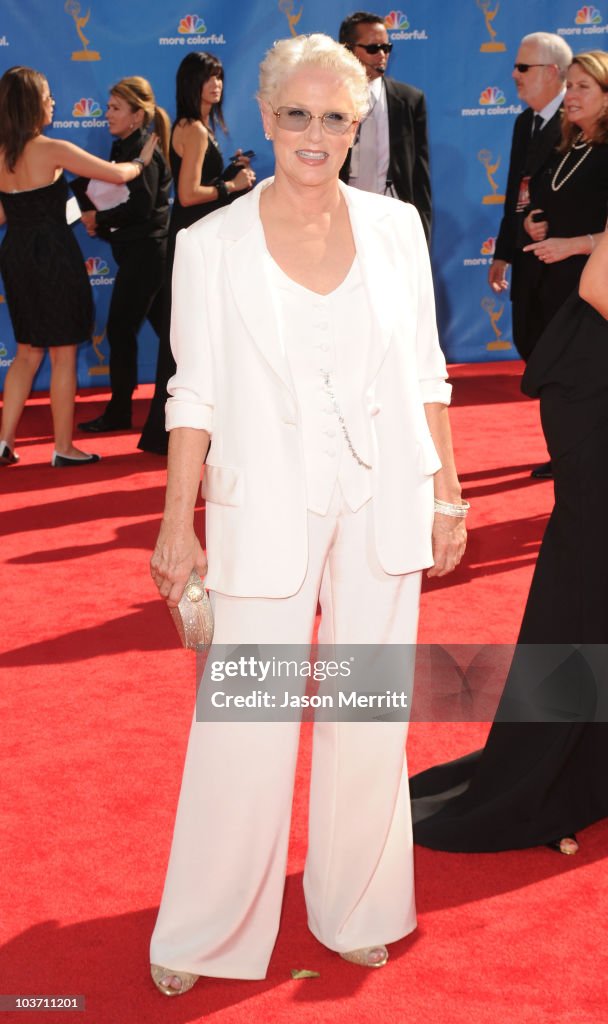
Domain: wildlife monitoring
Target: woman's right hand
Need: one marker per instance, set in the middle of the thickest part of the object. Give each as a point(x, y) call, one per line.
point(244, 179)
point(537, 229)
point(148, 149)
point(176, 554)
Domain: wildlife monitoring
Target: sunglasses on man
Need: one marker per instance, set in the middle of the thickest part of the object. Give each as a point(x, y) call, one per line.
point(373, 48)
point(522, 68)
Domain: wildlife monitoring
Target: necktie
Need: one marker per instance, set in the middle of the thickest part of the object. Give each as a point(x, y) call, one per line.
point(537, 125)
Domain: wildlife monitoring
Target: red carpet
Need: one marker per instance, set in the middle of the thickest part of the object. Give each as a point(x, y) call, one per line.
point(96, 702)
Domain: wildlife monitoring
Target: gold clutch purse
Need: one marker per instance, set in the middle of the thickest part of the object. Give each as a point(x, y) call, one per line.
point(193, 616)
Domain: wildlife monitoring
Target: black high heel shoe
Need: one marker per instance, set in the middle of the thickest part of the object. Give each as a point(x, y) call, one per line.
point(7, 456)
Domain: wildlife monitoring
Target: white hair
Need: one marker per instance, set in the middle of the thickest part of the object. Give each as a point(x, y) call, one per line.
point(554, 49)
point(314, 51)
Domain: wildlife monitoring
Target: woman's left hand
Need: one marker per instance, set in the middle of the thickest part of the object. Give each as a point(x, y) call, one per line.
point(89, 219)
point(449, 542)
point(553, 250)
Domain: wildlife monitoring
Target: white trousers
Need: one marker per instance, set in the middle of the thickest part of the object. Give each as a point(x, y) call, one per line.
point(221, 904)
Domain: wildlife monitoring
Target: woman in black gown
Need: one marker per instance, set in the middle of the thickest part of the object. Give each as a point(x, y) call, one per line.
point(542, 774)
point(47, 289)
point(201, 186)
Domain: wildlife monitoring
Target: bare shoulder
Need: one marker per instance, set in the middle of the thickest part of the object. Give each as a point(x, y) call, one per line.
point(54, 149)
point(188, 132)
point(47, 154)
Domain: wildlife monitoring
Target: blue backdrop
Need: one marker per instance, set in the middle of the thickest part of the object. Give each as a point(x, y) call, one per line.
point(459, 52)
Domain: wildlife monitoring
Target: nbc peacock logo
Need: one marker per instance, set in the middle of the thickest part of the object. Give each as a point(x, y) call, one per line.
point(492, 97)
point(485, 253)
point(98, 271)
point(95, 265)
point(190, 25)
point(587, 22)
point(491, 101)
point(192, 31)
point(588, 15)
point(396, 20)
point(399, 29)
point(86, 113)
point(86, 108)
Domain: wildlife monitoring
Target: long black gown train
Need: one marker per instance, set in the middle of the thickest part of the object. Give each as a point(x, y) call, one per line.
point(536, 781)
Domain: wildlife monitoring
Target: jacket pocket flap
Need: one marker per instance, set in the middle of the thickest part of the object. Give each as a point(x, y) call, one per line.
point(222, 485)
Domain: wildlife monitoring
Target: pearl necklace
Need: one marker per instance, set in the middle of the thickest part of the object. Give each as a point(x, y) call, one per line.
point(577, 145)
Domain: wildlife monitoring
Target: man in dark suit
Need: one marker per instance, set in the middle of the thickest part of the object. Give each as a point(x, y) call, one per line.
point(539, 73)
point(391, 153)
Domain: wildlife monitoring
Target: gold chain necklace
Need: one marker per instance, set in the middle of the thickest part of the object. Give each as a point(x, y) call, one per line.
point(577, 145)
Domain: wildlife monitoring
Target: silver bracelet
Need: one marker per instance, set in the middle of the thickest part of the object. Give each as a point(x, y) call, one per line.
point(592, 240)
point(446, 508)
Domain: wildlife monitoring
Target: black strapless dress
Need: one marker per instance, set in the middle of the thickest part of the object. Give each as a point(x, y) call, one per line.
point(542, 776)
point(47, 289)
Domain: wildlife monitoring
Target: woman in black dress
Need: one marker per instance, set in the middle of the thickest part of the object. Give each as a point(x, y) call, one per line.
point(47, 289)
point(201, 186)
point(137, 230)
point(542, 774)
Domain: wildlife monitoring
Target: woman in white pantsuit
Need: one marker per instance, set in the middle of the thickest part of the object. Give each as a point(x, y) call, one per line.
point(304, 334)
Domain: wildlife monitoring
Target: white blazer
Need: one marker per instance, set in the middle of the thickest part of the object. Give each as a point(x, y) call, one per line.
point(233, 380)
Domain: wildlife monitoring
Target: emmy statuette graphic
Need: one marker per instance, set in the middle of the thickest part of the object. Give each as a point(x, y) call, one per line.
point(287, 6)
point(500, 344)
point(485, 157)
point(102, 369)
point(492, 46)
point(73, 7)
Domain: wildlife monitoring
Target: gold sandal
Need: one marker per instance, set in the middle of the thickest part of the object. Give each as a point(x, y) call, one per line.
point(163, 976)
point(369, 956)
point(567, 845)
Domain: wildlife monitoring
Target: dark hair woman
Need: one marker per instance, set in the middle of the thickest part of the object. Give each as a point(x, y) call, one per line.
point(137, 229)
point(201, 186)
point(47, 289)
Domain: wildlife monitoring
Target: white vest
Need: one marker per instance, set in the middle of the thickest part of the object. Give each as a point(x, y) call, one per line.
point(320, 335)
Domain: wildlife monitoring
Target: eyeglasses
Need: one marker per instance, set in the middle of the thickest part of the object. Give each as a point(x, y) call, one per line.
point(296, 119)
point(522, 68)
point(373, 48)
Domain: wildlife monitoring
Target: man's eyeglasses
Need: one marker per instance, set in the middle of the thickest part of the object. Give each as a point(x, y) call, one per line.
point(296, 119)
point(522, 68)
point(373, 48)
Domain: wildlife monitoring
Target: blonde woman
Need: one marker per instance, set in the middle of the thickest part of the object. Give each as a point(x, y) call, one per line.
point(137, 231)
point(305, 340)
